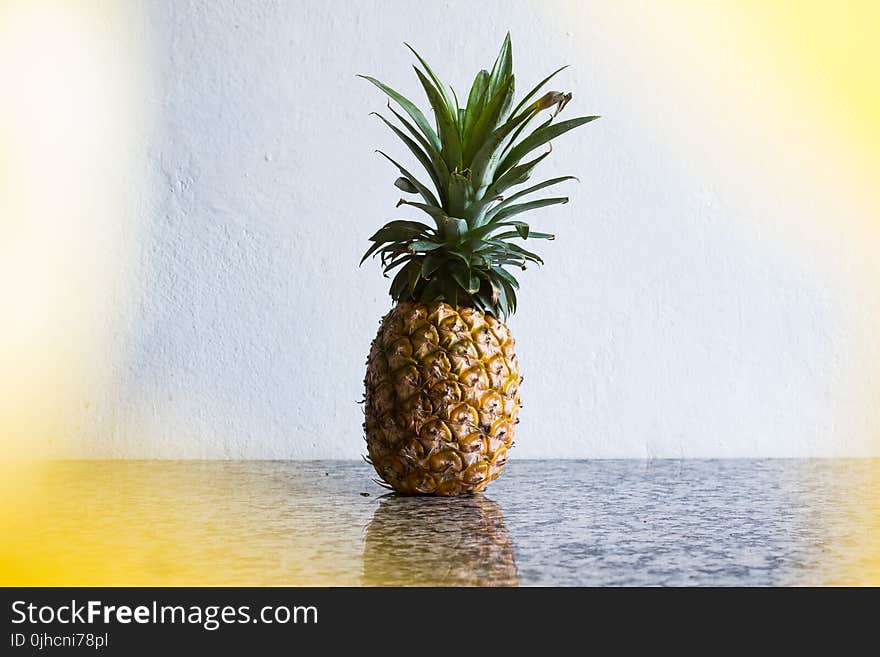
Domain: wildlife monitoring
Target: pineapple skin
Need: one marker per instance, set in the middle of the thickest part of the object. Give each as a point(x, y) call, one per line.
point(441, 399)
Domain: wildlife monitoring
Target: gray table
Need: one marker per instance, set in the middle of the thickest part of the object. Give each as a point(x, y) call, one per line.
point(607, 522)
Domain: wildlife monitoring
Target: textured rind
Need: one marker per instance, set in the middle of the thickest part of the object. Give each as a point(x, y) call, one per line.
point(441, 399)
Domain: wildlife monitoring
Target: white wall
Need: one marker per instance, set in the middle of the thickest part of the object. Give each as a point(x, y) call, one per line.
point(704, 296)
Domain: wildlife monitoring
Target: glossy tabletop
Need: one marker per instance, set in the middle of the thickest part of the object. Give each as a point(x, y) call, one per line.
point(605, 522)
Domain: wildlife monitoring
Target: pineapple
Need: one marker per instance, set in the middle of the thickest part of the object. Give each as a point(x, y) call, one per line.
point(442, 382)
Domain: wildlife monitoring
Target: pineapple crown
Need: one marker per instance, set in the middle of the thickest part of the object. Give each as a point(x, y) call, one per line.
point(473, 156)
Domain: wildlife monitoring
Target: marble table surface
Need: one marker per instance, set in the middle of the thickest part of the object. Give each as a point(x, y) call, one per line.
point(546, 523)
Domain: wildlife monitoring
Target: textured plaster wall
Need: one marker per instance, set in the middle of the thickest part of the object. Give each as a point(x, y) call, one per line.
point(697, 301)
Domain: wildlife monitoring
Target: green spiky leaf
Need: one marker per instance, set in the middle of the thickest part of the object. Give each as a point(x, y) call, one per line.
point(406, 185)
point(424, 245)
point(525, 207)
point(423, 158)
point(410, 109)
point(474, 103)
point(450, 140)
point(540, 137)
point(441, 88)
point(525, 192)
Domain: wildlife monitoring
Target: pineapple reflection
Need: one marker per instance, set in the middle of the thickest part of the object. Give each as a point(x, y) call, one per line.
point(457, 541)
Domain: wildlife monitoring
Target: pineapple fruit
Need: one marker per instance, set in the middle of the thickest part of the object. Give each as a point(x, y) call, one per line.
point(442, 382)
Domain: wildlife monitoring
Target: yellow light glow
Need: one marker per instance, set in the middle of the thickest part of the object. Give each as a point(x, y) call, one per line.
point(832, 52)
point(823, 57)
point(783, 99)
point(70, 74)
